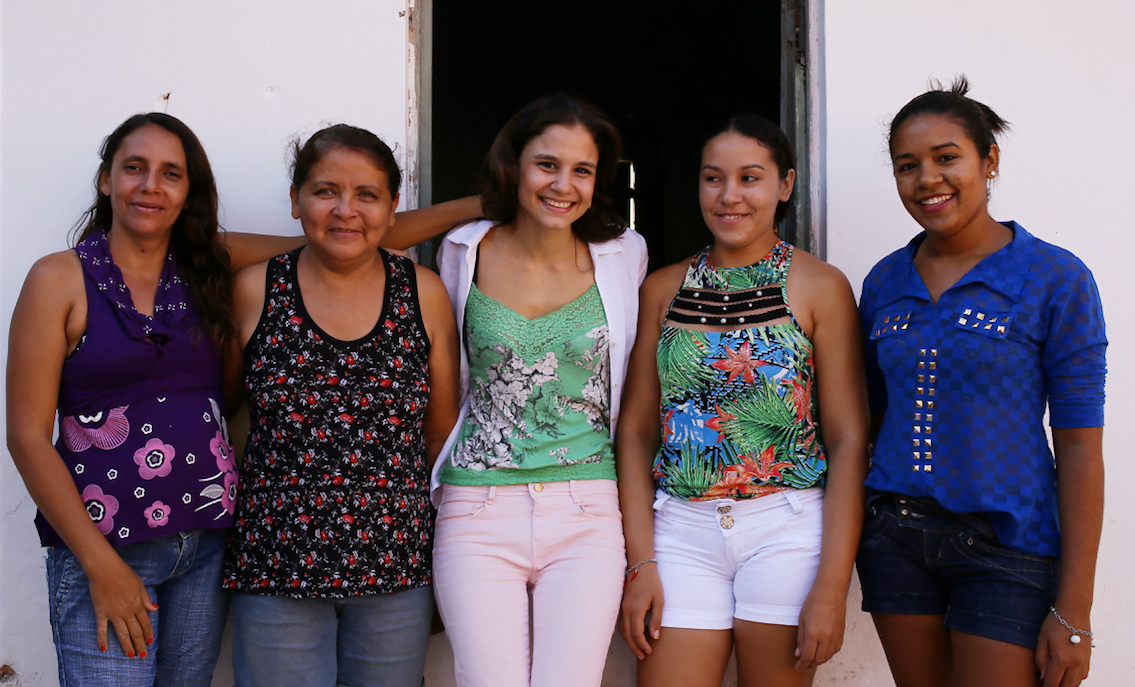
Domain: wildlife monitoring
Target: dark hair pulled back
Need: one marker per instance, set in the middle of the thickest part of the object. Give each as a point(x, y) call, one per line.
point(501, 175)
point(769, 135)
point(980, 122)
point(202, 259)
point(347, 137)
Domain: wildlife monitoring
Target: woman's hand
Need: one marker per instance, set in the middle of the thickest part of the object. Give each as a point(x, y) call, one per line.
point(120, 598)
point(641, 598)
point(820, 634)
point(1060, 662)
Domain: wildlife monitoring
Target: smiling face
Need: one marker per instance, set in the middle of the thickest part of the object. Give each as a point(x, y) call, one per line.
point(557, 177)
point(940, 175)
point(739, 190)
point(147, 182)
point(344, 205)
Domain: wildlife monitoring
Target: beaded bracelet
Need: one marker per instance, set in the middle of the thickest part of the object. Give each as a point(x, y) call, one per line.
point(1075, 638)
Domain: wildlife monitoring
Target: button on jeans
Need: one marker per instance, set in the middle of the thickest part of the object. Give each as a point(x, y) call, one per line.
point(182, 574)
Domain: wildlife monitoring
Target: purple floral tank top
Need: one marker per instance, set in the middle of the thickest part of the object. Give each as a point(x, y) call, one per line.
point(141, 416)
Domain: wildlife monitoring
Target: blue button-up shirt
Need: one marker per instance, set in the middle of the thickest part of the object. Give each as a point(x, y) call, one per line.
point(963, 384)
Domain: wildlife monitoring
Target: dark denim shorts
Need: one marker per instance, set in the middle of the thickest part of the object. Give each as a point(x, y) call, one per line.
point(917, 558)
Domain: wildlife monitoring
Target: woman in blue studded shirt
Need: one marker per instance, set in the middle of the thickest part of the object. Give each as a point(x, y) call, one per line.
point(978, 555)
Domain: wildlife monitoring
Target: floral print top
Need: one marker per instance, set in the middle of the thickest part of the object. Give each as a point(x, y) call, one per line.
point(738, 414)
point(141, 423)
point(334, 488)
point(540, 407)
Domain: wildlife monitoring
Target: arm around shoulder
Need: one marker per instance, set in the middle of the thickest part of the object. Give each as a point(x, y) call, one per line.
point(415, 226)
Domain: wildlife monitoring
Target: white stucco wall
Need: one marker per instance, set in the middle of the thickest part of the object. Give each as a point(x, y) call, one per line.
point(1063, 74)
point(246, 75)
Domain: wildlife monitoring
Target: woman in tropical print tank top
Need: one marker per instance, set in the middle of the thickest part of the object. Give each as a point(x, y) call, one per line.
point(741, 510)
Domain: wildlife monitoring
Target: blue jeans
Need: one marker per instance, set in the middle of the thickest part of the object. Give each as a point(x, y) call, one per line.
point(917, 558)
point(375, 640)
point(182, 574)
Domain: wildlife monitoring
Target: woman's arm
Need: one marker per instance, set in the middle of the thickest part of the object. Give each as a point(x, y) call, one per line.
point(410, 228)
point(250, 249)
point(414, 226)
point(37, 347)
point(444, 361)
point(842, 399)
point(1079, 490)
point(636, 444)
point(248, 304)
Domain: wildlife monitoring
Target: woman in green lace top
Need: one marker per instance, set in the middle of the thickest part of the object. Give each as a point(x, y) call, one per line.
point(545, 294)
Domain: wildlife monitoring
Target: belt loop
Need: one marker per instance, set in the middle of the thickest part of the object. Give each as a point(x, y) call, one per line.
point(793, 499)
point(492, 494)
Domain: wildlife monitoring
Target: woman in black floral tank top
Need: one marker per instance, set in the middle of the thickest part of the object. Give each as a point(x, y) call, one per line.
point(350, 358)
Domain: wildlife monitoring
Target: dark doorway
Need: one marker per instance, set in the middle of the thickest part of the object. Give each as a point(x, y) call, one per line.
point(665, 71)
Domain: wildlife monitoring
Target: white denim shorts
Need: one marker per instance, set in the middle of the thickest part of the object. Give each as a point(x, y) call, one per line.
point(752, 559)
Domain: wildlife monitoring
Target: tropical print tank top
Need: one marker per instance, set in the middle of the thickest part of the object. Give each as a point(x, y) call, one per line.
point(738, 414)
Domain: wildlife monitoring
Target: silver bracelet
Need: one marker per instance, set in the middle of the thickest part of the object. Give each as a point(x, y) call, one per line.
point(1075, 638)
point(634, 568)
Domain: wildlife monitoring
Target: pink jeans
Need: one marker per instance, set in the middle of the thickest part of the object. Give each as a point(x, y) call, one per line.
point(563, 541)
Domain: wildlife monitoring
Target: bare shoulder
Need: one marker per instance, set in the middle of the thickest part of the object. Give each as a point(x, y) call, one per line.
point(57, 277)
point(664, 282)
point(58, 267)
point(659, 289)
point(816, 278)
point(250, 280)
point(52, 307)
point(430, 286)
point(432, 294)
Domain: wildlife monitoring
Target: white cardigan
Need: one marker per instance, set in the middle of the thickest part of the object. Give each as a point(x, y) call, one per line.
point(620, 267)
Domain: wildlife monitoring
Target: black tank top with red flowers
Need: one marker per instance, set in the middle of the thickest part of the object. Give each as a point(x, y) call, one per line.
point(333, 498)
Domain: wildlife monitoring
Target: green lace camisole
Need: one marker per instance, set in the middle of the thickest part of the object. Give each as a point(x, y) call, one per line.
point(540, 395)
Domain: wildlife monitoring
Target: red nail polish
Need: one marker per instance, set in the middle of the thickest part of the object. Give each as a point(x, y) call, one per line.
point(102, 649)
point(143, 654)
point(130, 655)
point(149, 641)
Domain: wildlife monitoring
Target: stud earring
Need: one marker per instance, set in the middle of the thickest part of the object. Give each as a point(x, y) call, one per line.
point(993, 174)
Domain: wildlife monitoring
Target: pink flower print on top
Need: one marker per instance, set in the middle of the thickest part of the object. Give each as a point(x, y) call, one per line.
point(101, 507)
point(106, 429)
point(155, 459)
point(226, 464)
point(157, 514)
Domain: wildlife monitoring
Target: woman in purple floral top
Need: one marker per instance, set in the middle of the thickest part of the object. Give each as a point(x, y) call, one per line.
point(122, 336)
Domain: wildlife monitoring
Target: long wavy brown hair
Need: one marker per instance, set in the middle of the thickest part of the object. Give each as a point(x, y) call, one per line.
point(202, 259)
